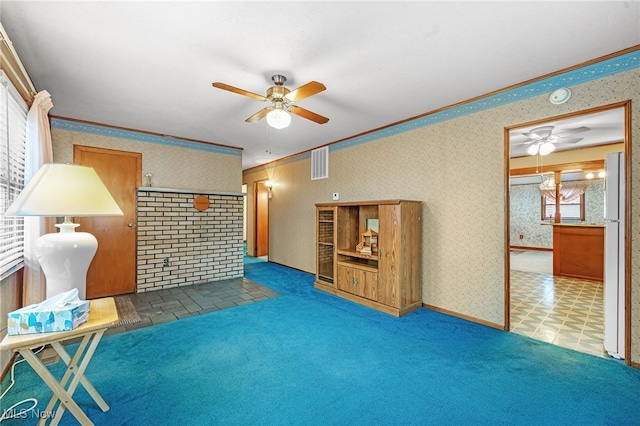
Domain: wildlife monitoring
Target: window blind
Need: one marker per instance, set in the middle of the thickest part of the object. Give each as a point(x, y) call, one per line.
point(13, 134)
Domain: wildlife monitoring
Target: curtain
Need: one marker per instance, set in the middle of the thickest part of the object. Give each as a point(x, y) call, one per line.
point(38, 151)
point(569, 191)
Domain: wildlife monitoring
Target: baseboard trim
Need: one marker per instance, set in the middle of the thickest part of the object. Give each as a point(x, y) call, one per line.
point(465, 317)
point(290, 267)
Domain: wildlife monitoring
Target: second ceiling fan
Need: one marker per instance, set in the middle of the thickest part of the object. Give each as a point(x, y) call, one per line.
point(543, 141)
point(282, 100)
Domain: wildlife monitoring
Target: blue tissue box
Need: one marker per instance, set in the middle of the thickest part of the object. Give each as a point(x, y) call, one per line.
point(30, 320)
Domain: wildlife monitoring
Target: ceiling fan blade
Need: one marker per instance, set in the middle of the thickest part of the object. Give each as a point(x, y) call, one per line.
point(305, 113)
point(569, 140)
point(238, 91)
point(259, 115)
point(573, 131)
point(539, 132)
point(305, 91)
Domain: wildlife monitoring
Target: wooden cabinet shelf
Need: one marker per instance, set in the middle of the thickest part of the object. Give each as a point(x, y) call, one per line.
point(363, 265)
point(388, 280)
point(353, 253)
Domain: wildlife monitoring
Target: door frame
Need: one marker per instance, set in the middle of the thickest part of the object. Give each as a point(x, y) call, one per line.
point(627, 230)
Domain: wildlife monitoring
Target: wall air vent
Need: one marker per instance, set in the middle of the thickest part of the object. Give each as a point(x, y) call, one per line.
point(320, 163)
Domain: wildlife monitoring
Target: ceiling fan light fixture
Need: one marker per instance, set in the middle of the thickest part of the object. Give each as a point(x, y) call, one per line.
point(547, 148)
point(533, 149)
point(278, 118)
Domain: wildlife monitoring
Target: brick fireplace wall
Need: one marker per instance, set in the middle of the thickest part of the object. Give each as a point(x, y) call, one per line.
point(179, 245)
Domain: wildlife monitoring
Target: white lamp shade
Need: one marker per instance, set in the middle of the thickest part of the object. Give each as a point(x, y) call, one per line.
point(64, 190)
point(542, 148)
point(547, 148)
point(278, 118)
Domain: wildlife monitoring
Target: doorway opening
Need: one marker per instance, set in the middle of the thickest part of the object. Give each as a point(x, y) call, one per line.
point(542, 300)
point(261, 215)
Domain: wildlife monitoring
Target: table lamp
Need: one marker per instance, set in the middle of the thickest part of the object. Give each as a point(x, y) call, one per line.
point(65, 190)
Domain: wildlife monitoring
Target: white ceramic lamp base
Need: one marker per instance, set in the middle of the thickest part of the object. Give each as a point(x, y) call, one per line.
point(65, 258)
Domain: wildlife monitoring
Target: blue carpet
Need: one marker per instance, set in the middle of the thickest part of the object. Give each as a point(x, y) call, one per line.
point(309, 358)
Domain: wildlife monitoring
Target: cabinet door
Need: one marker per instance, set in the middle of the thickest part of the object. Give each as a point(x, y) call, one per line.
point(325, 237)
point(389, 247)
point(399, 265)
point(359, 282)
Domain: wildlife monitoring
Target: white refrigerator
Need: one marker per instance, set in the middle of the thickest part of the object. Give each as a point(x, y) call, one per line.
point(614, 255)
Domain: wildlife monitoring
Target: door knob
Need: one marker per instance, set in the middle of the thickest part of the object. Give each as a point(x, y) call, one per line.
point(131, 225)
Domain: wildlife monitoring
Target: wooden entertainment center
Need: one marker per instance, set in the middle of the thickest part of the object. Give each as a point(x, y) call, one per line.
point(369, 252)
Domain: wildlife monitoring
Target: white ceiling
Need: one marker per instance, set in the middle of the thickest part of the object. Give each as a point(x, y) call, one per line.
point(149, 65)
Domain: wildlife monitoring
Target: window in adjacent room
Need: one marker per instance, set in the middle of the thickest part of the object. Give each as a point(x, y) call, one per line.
point(13, 129)
point(569, 210)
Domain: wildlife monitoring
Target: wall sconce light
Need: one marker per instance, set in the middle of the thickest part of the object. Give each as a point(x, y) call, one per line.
point(269, 186)
point(560, 96)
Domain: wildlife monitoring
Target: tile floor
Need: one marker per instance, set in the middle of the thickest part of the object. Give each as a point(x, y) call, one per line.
point(563, 311)
point(156, 307)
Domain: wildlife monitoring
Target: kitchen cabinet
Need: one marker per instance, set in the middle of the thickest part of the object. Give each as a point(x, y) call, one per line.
point(578, 251)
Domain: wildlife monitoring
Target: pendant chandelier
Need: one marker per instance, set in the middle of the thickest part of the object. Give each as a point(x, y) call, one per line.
point(549, 184)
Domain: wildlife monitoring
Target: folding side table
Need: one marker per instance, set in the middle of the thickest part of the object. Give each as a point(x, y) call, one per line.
point(102, 314)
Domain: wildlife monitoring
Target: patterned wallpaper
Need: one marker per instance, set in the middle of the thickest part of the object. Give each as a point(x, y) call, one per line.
point(525, 213)
point(171, 166)
point(456, 168)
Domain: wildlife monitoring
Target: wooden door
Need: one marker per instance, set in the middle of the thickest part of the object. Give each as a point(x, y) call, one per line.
point(262, 219)
point(113, 269)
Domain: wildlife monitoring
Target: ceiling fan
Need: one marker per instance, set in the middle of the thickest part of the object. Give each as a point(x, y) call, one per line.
point(282, 100)
point(543, 141)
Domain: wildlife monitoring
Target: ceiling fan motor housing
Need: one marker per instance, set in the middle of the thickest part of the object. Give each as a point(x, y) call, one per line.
point(277, 93)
